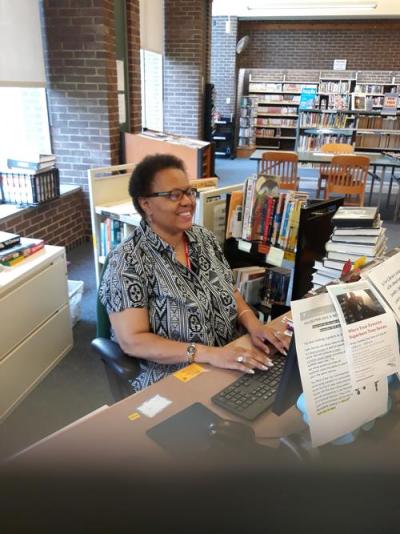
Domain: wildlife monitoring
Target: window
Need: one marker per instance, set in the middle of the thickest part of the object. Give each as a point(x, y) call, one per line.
point(24, 125)
point(152, 90)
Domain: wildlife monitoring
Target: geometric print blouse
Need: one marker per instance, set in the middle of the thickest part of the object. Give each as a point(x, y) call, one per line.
point(190, 305)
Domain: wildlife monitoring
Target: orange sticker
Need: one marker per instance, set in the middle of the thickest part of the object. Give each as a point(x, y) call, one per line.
point(189, 372)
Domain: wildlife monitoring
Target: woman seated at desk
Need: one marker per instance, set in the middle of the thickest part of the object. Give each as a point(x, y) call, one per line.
point(169, 290)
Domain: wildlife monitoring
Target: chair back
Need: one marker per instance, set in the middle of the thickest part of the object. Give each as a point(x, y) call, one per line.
point(282, 164)
point(347, 175)
point(337, 148)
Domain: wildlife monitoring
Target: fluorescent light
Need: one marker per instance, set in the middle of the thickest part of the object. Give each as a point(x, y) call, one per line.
point(315, 6)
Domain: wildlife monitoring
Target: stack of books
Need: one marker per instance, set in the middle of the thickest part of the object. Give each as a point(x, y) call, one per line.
point(32, 165)
point(357, 232)
point(14, 248)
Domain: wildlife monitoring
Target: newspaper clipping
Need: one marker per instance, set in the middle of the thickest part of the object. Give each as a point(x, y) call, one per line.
point(369, 331)
point(334, 406)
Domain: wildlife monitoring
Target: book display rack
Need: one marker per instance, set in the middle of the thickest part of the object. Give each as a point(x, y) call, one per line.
point(292, 237)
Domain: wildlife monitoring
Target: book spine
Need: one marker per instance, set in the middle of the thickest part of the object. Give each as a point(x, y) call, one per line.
point(7, 243)
point(268, 207)
point(20, 164)
point(246, 231)
point(272, 218)
point(277, 218)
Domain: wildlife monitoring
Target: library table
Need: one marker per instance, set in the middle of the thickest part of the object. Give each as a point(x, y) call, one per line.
point(376, 160)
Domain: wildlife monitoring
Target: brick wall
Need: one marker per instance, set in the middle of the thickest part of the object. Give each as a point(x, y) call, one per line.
point(187, 27)
point(133, 42)
point(82, 92)
point(316, 49)
point(59, 222)
point(223, 63)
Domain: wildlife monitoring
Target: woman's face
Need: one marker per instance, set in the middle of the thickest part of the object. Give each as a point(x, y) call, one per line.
point(166, 216)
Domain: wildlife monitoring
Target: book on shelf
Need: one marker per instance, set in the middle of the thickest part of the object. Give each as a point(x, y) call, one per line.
point(361, 217)
point(249, 200)
point(123, 211)
point(8, 240)
point(13, 255)
point(235, 212)
point(276, 286)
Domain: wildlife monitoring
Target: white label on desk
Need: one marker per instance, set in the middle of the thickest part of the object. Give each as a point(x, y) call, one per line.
point(244, 245)
point(153, 406)
point(275, 256)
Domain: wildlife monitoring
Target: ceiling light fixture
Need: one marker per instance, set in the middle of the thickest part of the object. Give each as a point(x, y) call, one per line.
point(316, 6)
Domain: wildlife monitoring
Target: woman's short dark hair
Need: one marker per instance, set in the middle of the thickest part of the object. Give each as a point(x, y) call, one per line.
point(141, 181)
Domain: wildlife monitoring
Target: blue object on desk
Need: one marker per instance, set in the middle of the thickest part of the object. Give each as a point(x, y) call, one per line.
point(350, 437)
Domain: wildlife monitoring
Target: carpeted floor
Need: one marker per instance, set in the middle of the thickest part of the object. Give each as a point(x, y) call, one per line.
point(78, 384)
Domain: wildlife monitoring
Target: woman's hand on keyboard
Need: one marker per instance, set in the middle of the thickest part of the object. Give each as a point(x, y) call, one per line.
point(239, 358)
point(261, 334)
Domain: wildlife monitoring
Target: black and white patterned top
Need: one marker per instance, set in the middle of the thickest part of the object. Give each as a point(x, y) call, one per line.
point(190, 305)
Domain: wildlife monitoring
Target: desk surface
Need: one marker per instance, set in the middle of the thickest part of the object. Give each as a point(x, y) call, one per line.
point(320, 157)
point(109, 437)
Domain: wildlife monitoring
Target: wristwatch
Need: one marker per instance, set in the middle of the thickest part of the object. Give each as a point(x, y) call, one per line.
point(191, 352)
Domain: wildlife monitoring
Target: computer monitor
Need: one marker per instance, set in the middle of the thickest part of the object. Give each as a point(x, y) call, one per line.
point(290, 386)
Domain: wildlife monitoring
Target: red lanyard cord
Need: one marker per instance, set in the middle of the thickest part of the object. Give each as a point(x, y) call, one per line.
point(187, 259)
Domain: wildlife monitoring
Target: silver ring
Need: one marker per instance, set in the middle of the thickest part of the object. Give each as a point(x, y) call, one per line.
point(240, 359)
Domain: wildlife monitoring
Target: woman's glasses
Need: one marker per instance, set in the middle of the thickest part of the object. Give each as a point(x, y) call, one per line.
point(176, 194)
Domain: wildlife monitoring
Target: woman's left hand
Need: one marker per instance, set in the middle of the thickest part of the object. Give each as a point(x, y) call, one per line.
point(261, 334)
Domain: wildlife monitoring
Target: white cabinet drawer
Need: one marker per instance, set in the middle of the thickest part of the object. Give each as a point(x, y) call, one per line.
point(26, 307)
point(28, 364)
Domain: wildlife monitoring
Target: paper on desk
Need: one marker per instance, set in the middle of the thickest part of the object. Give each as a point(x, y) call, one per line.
point(153, 406)
point(334, 407)
point(386, 279)
point(369, 331)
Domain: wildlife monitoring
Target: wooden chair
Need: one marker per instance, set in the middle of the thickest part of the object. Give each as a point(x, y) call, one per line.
point(347, 175)
point(331, 148)
point(282, 164)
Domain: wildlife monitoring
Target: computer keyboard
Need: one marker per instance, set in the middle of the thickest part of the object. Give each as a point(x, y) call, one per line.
point(251, 395)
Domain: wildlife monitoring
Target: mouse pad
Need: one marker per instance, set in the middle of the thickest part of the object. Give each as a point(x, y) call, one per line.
point(185, 433)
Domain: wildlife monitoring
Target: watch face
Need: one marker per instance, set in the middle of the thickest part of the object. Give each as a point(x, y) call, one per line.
point(191, 350)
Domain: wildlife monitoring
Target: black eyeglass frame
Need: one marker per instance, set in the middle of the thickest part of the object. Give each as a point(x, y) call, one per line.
point(190, 192)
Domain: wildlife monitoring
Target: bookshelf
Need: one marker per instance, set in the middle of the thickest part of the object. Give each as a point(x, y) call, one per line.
point(314, 230)
point(335, 93)
point(377, 132)
point(276, 112)
point(374, 92)
point(247, 114)
point(342, 101)
point(109, 201)
point(318, 127)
